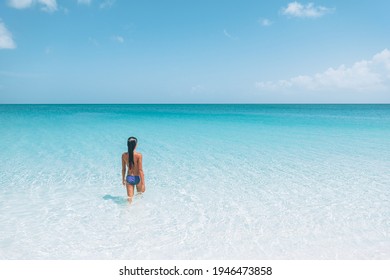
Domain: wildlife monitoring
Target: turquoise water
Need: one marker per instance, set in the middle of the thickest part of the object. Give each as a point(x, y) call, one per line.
point(222, 182)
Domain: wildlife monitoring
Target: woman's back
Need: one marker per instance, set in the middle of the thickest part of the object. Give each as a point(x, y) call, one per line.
point(135, 168)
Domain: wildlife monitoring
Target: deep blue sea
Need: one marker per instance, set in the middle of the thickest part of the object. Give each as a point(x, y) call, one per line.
point(222, 182)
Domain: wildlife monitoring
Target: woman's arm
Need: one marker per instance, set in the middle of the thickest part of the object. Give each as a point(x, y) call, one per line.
point(123, 170)
point(141, 174)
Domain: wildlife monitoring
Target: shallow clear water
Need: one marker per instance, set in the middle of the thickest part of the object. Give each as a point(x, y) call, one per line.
point(222, 182)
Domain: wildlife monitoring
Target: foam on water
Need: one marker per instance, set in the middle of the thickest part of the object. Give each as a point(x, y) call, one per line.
point(223, 182)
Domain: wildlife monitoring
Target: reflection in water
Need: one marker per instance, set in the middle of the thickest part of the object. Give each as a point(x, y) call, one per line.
point(120, 200)
point(116, 199)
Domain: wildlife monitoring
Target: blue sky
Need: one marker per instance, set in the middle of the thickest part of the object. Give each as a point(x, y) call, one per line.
point(194, 51)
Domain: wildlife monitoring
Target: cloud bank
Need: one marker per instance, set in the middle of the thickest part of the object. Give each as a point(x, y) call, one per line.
point(365, 75)
point(6, 41)
point(296, 9)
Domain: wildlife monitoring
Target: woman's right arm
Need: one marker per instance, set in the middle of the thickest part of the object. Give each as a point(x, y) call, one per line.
point(123, 170)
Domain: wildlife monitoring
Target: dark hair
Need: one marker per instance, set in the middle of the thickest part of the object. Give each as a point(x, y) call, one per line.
point(131, 143)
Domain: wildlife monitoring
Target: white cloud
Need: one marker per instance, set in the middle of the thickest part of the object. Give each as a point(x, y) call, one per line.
point(365, 75)
point(20, 4)
point(103, 4)
point(197, 88)
point(48, 50)
point(107, 4)
point(46, 5)
point(65, 10)
point(21, 74)
point(296, 9)
point(118, 39)
point(84, 2)
point(227, 34)
point(6, 41)
point(265, 22)
point(93, 41)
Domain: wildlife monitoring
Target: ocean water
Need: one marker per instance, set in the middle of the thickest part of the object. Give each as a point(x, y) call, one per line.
point(222, 182)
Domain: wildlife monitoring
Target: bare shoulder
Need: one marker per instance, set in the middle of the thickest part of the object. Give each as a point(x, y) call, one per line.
point(138, 155)
point(124, 155)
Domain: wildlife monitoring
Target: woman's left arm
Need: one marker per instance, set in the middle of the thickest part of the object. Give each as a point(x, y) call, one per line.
point(141, 173)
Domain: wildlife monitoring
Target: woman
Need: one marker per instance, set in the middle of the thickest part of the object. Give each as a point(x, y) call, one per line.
point(135, 175)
